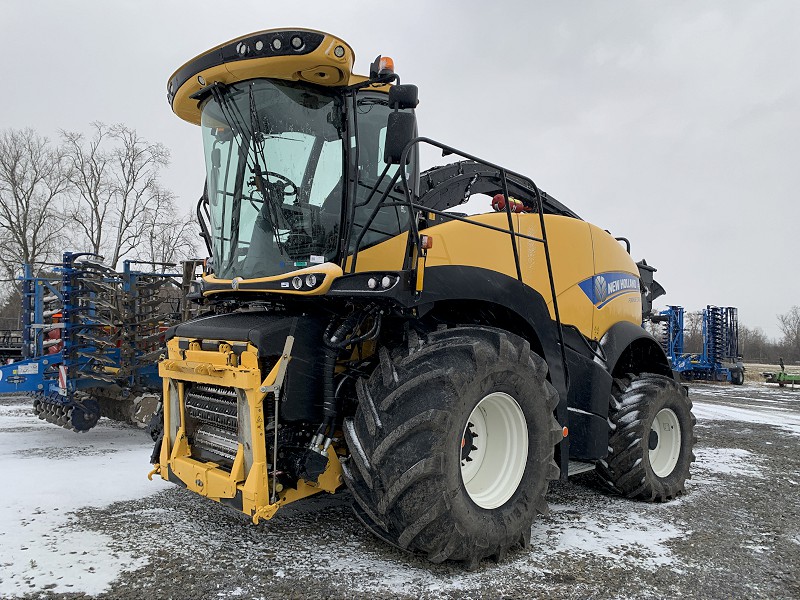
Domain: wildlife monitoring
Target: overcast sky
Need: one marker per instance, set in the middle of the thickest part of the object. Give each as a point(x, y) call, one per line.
point(674, 124)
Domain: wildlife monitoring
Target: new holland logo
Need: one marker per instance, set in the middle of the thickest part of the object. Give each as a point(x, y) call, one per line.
point(603, 288)
point(600, 288)
point(235, 282)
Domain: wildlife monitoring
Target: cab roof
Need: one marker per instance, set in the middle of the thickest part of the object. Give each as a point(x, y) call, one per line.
point(292, 54)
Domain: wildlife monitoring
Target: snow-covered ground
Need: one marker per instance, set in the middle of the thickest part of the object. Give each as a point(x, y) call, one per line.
point(49, 475)
point(744, 404)
point(77, 514)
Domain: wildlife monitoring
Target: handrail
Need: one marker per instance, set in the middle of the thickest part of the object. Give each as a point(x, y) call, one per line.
point(415, 242)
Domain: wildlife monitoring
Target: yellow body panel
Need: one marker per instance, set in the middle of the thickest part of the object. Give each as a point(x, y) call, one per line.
point(571, 258)
point(320, 66)
point(457, 243)
point(578, 251)
point(610, 256)
point(386, 256)
point(330, 272)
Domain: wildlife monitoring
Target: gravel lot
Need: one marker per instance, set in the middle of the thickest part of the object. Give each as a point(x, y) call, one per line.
point(79, 519)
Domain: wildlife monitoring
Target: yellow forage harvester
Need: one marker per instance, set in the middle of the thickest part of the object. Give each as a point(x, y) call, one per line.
point(364, 332)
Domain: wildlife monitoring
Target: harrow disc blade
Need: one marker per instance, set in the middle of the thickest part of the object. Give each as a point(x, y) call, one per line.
point(85, 414)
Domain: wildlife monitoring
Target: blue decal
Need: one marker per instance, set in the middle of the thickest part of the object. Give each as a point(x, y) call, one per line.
point(604, 287)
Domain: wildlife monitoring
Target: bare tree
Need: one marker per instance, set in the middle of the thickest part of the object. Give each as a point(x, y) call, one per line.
point(33, 177)
point(654, 328)
point(117, 200)
point(90, 175)
point(754, 345)
point(137, 166)
point(789, 324)
point(168, 237)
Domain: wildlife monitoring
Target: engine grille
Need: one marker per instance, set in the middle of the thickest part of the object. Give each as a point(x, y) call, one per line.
point(212, 410)
point(217, 441)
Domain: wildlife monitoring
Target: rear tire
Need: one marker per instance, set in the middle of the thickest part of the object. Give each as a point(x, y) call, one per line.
point(650, 447)
point(468, 393)
point(737, 377)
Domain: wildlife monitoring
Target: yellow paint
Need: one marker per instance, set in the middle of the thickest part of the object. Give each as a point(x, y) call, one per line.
point(570, 245)
point(459, 243)
point(611, 256)
point(329, 272)
point(570, 242)
point(329, 481)
point(207, 478)
point(386, 256)
point(578, 250)
point(321, 67)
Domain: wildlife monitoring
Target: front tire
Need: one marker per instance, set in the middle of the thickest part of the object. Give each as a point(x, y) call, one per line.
point(452, 445)
point(650, 447)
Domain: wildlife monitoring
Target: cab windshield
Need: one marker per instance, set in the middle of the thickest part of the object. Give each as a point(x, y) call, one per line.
point(274, 169)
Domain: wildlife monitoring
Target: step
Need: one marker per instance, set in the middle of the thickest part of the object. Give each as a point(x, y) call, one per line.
point(577, 466)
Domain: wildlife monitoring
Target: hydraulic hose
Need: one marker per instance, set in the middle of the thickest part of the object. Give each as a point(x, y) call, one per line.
point(328, 389)
point(335, 340)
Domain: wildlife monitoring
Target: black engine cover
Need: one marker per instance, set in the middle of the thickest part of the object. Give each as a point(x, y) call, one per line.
point(302, 388)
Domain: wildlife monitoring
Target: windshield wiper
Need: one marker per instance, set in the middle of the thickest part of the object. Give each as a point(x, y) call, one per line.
point(250, 135)
point(259, 181)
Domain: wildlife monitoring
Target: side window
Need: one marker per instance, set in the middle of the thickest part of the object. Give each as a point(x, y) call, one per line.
point(391, 219)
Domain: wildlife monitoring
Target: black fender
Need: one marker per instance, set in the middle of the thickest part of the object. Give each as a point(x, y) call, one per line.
point(628, 348)
point(459, 283)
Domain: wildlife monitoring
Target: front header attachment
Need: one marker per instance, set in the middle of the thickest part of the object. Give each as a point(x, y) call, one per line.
point(290, 54)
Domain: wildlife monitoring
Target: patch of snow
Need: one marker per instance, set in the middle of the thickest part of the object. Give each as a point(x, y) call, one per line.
point(785, 420)
point(570, 530)
point(728, 461)
point(55, 472)
point(608, 534)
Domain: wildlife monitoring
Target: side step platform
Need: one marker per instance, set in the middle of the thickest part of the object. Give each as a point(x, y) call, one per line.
point(577, 466)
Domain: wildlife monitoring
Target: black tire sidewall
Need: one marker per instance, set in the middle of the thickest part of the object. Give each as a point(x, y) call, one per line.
point(672, 398)
point(518, 509)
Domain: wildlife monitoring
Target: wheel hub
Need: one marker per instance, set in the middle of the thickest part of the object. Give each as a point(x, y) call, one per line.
point(653, 441)
point(664, 442)
point(468, 444)
point(494, 450)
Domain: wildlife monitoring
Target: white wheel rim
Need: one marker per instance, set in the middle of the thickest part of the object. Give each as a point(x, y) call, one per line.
point(664, 456)
point(499, 451)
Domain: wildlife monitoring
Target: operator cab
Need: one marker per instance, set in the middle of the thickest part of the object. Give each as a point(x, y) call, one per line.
point(295, 158)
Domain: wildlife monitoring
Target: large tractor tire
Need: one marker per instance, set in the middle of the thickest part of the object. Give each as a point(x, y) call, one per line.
point(452, 445)
point(650, 447)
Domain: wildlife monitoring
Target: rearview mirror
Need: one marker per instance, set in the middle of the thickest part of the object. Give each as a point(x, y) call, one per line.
point(401, 129)
point(403, 96)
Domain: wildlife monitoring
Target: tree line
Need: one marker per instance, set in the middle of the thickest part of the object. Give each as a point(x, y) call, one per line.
point(98, 193)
